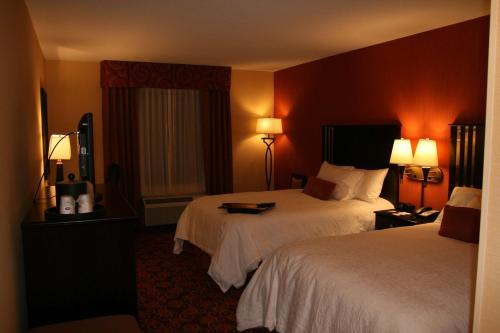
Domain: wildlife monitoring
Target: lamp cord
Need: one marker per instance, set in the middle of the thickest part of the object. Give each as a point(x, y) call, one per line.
point(48, 159)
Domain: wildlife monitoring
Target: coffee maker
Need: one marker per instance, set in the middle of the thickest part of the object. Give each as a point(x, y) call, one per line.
point(71, 187)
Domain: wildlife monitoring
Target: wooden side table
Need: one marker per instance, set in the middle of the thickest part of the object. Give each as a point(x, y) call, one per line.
point(391, 218)
point(80, 269)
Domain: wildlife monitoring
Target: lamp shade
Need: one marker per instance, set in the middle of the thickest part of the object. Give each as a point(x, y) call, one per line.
point(401, 152)
point(63, 149)
point(269, 126)
point(426, 153)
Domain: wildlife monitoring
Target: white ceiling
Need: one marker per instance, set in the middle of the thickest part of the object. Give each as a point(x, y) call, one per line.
point(246, 34)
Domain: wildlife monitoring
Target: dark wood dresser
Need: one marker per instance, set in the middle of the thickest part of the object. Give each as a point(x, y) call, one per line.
point(80, 269)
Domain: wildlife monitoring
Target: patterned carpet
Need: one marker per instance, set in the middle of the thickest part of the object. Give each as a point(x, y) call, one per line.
point(176, 294)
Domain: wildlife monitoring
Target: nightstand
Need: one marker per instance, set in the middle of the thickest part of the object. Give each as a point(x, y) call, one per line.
point(391, 218)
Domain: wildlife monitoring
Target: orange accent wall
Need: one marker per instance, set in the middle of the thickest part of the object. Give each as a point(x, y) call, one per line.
point(425, 82)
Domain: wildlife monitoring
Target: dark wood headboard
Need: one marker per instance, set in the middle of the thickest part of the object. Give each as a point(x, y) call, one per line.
point(466, 156)
point(366, 147)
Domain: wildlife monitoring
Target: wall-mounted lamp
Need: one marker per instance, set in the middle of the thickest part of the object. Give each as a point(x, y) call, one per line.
point(270, 127)
point(426, 157)
point(60, 146)
point(401, 155)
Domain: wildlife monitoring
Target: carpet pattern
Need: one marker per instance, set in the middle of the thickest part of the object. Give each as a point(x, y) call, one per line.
point(176, 294)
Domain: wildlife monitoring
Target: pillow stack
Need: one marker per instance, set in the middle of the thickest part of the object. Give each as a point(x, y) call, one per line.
point(319, 188)
point(344, 177)
point(352, 183)
point(460, 218)
point(463, 197)
point(370, 186)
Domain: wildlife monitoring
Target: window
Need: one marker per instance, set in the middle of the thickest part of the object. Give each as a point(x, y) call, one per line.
point(170, 142)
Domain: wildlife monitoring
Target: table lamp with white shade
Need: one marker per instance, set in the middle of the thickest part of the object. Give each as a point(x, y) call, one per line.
point(426, 157)
point(402, 155)
point(59, 150)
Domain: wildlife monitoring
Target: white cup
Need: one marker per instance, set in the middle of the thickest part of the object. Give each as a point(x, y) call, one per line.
point(67, 204)
point(85, 203)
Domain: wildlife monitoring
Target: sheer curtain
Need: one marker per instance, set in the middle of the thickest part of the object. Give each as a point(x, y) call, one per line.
point(170, 142)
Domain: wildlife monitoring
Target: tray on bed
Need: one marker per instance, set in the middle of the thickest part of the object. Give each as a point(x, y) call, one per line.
point(247, 208)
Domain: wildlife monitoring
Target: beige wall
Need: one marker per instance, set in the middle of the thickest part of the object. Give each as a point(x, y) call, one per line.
point(487, 305)
point(252, 96)
point(21, 73)
point(72, 90)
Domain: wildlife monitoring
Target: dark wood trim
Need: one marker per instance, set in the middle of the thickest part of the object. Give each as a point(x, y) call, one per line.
point(466, 155)
point(45, 132)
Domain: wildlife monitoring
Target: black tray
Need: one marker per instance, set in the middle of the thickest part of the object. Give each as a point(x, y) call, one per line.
point(52, 214)
point(247, 208)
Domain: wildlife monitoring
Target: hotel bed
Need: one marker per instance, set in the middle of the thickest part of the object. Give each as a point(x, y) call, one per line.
point(406, 279)
point(237, 243)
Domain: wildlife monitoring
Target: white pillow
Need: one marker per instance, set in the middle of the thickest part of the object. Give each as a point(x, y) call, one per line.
point(371, 184)
point(463, 197)
point(326, 167)
point(345, 178)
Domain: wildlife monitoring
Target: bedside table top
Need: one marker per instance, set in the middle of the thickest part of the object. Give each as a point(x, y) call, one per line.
point(403, 216)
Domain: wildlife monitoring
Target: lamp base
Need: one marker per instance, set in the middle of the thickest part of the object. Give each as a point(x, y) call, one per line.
point(268, 161)
point(59, 171)
point(401, 170)
point(425, 172)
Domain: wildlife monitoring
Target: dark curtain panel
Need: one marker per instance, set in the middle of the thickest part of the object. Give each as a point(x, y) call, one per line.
point(217, 144)
point(120, 138)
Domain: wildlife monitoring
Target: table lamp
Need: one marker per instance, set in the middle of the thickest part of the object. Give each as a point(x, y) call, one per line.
point(270, 127)
point(59, 149)
point(425, 157)
point(401, 155)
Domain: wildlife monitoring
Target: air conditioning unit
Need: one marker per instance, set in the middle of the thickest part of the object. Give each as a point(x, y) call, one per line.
point(165, 210)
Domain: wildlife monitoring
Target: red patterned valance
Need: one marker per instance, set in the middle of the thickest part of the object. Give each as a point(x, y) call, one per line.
point(166, 76)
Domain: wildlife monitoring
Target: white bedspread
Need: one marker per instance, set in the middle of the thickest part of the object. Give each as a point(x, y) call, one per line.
point(238, 242)
point(397, 280)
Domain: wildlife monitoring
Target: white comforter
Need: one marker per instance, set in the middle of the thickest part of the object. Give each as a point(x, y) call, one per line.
point(398, 280)
point(238, 242)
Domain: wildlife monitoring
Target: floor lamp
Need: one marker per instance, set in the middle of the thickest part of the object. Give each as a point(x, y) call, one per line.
point(425, 157)
point(270, 127)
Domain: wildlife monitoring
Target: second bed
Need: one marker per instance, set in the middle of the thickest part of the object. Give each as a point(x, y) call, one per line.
point(237, 243)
